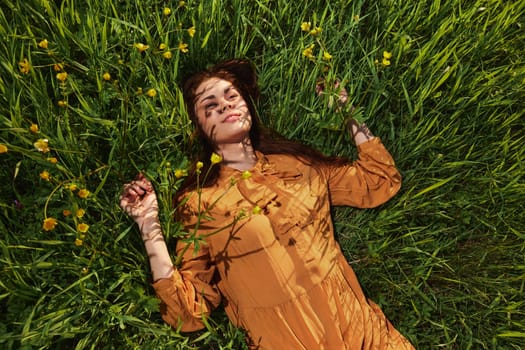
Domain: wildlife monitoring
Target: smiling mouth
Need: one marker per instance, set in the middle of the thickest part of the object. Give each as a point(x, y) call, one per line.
point(232, 118)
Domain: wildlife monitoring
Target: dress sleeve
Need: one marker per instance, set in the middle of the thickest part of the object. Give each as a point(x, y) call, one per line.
point(368, 182)
point(190, 294)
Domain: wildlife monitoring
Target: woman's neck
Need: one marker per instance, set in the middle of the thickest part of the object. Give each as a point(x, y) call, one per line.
point(240, 156)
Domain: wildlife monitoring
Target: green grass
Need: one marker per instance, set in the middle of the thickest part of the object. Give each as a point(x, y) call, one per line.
point(445, 258)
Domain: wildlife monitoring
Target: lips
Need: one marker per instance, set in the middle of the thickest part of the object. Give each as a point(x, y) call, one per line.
point(232, 117)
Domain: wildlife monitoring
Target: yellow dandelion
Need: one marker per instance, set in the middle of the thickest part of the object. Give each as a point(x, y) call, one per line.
point(82, 228)
point(78, 242)
point(57, 67)
point(72, 187)
point(215, 158)
point(162, 46)
point(308, 52)
point(327, 56)
point(52, 160)
point(141, 47)
point(43, 44)
point(106, 76)
point(24, 66)
point(3, 148)
point(256, 210)
point(44, 175)
point(66, 212)
point(166, 11)
point(167, 55)
point(42, 145)
point(152, 93)
point(306, 26)
point(183, 47)
point(385, 62)
point(80, 213)
point(179, 173)
point(62, 103)
point(62, 76)
point(33, 128)
point(316, 31)
point(83, 193)
point(387, 55)
point(49, 224)
point(191, 31)
point(246, 175)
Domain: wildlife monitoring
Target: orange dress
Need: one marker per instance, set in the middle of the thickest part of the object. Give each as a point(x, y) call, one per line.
point(267, 250)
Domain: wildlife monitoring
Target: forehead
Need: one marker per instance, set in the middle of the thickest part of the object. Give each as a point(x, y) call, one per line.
point(210, 87)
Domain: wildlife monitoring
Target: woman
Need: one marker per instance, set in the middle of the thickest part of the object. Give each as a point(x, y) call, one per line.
point(267, 246)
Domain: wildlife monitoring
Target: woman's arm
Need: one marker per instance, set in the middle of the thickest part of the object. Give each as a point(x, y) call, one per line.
point(186, 294)
point(139, 200)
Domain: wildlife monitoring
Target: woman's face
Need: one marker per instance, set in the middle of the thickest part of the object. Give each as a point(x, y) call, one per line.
point(222, 112)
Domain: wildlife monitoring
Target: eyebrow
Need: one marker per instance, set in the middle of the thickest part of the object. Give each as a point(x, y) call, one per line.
point(209, 97)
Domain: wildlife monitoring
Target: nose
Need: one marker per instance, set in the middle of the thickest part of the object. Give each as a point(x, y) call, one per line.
point(225, 105)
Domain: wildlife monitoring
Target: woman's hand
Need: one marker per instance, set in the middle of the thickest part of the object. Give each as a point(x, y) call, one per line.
point(139, 200)
point(360, 132)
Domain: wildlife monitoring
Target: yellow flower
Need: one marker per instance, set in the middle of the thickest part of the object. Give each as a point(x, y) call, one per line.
point(183, 47)
point(66, 212)
point(256, 210)
point(167, 55)
point(199, 166)
point(246, 174)
point(34, 128)
point(72, 187)
point(356, 18)
point(83, 193)
point(316, 31)
point(62, 103)
point(49, 224)
point(141, 47)
point(215, 158)
point(24, 66)
point(166, 11)
point(43, 44)
point(305, 26)
point(44, 175)
point(62, 76)
point(3, 148)
point(82, 228)
point(327, 56)
point(179, 173)
point(152, 93)
point(78, 242)
point(385, 62)
point(162, 46)
point(57, 67)
point(387, 55)
point(191, 31)
point(308, 52)
point(52, 160)
point(42, 145)
point(182, 3)
point(80, 213)
point(106, 76)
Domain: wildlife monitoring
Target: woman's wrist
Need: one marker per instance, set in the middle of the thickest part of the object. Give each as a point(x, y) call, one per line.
point(360, 132)
point(150, 229)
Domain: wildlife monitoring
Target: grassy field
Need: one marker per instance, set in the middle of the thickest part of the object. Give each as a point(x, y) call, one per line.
point(89, 96)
